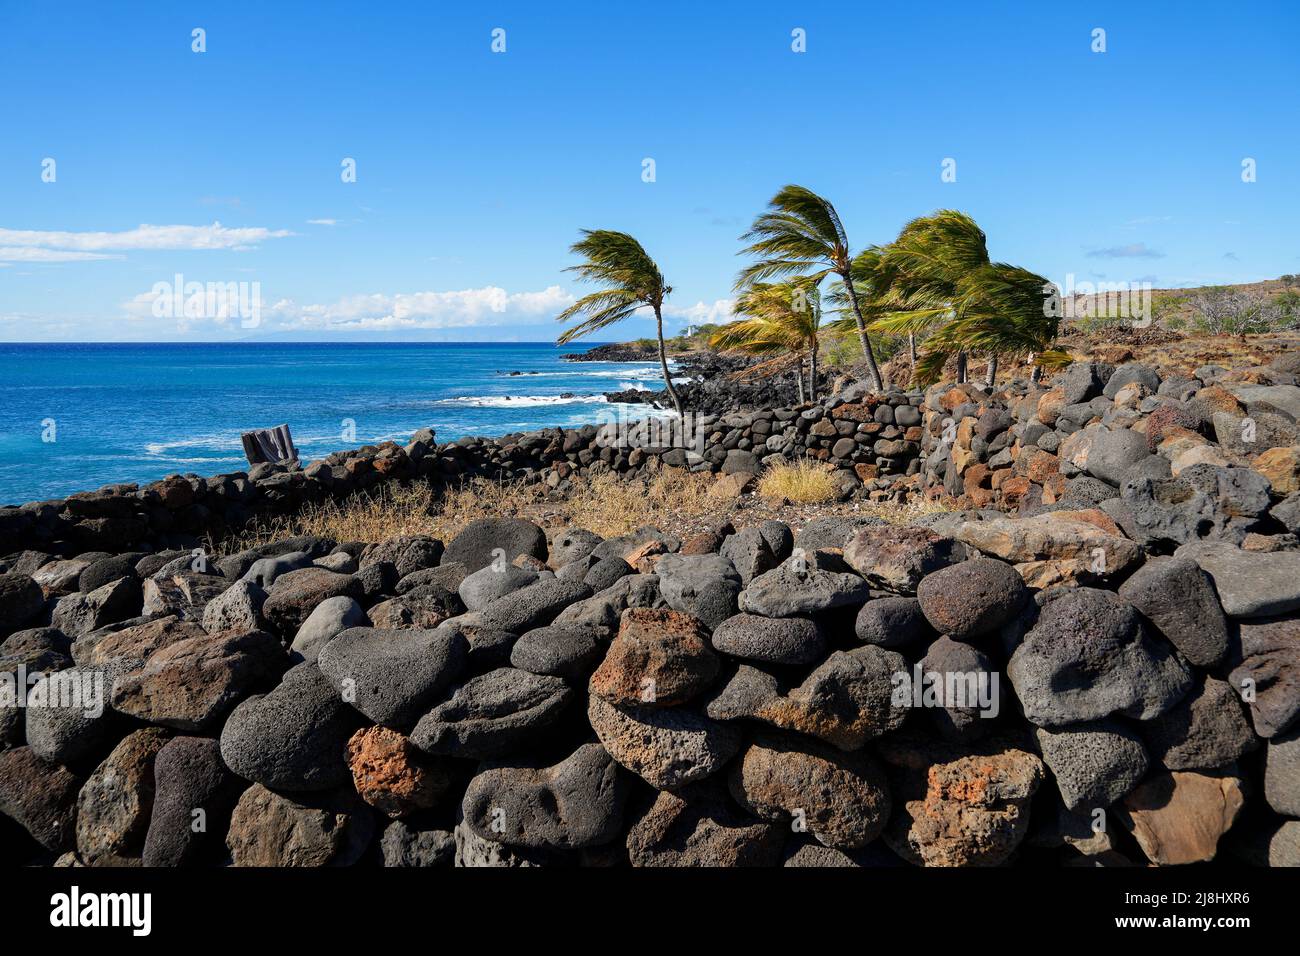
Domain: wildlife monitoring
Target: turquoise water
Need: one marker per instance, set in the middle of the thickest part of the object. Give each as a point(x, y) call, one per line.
point(134, 413)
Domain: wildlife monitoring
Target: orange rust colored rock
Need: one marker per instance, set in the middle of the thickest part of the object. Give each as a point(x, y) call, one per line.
point(392, 775)
point(660, 658)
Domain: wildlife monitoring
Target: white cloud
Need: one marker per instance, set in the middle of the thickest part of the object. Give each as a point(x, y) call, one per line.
point(716, 312)
point(488, 306)
point(322, 222)
point(214, 236)
point(485, 307)
point(34, 254)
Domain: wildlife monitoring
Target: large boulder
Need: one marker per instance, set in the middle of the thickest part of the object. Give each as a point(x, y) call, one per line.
point(666, 747)
point(536, 605)
point(1206, 730)
point(1268, 678)
point(956, 806)
point(896, 559)
point(485, 540)
point(1088, 657)
point(846, 701)
point(842, 799)
point(328, 619)
point(1178, 817)
point(1178, 598)
point(295, 595)
point(238, 608)
point(574, 804)
point(77, 614)
point(705, 586)
point(407, 553)
point(191, 783)
point(1094, 763)
point(803, 586)
point(771, 640)
point(480, 588)
point(568, 652)
point(67, 713)
point(393, 676)
point(892, 622)
point(1114, 453)
point(192, 684)
point(40, 796)
point(293, 738)
point(1249, 584)
point(972, 598)
point(660, 658)
point(1088, 539)
point(491, 713)
point(392, 775)
point(116, 802)
point(1282, 773)
point(697, 826)
point(269, 829)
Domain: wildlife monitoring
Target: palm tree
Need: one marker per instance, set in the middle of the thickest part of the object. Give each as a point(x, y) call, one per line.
point(801, 235)
point(924, 268)
point(783, 319)
point(632, 281)
point(941, 282)
point(998, 310)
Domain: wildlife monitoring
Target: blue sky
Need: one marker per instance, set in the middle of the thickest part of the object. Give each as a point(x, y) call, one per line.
point(475, 169)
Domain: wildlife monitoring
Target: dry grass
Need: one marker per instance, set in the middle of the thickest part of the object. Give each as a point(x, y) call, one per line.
point(801, 482)
point(612, 507)
point(675, 500)
point(605, 504)
point(904, 514)
point(386, 511)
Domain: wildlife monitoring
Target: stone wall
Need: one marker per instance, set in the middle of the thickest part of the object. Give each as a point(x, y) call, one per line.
point(869, 440)
point(1214, 456)
point(848, 693)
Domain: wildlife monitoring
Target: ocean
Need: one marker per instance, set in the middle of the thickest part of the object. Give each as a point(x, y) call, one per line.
point(75, 417)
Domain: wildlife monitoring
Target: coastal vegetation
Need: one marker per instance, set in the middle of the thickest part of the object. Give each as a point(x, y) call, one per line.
point(807, 300)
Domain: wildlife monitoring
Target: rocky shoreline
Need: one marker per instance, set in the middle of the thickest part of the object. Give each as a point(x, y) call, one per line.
point(1093, 659)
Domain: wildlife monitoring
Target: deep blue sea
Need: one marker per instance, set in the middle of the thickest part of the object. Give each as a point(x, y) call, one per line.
point(134, 413)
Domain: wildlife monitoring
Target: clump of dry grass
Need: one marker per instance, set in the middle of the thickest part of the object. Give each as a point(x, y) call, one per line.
point(800, 482)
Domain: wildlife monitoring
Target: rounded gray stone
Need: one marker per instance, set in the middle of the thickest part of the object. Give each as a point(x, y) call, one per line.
point(789, 640)
point(393, 676)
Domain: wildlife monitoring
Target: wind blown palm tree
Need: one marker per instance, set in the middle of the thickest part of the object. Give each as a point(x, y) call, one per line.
point(632, 281)
point(801, 235)
point(940, 283)
point(923, 270)
point(783, 319)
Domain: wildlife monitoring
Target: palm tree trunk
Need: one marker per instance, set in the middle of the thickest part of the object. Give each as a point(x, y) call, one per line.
point(798, 379)
point(911, 348)
point(663, 362)
point(812, 374)
point(961, 368)
point(876, 381)
point(1035, 371)
point(991, 377)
